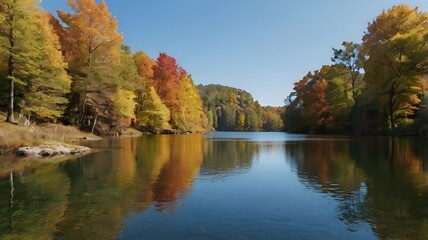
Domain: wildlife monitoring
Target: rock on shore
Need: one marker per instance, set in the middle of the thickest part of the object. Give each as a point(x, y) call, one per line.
point(50, 150)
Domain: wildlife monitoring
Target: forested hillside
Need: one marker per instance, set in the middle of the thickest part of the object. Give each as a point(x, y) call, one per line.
point(232, 109)
point(75, 69)
point(376, 86)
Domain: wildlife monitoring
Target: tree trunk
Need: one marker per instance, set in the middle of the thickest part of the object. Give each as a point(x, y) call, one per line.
point(12, 189)
point(11, 100)
point(82, 116)
point(95, 123)
point(11, 72)
point(391, 108)
point(354, 93)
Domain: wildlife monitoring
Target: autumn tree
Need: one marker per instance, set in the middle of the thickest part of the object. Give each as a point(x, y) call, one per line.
point(144, 65)
point(272, 120)
point(99, 66)
point(307, 107)
point(60, 31)
point(153, 112)
point(166, 75)
point(194, 117)
point(45, 93)
point(397, 57)
point(18, 47)
point(176, 89)
point(34, 61)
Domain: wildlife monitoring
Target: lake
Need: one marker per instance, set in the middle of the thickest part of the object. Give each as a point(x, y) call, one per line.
point(222, 185)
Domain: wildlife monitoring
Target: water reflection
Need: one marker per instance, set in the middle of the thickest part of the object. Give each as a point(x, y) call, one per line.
point(178, 172)
point(381, 181)
point(90, 197)
point(110, 185)
point(32, 201)
point(223, 158)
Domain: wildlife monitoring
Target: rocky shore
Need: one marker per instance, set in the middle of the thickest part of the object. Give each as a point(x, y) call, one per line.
point(51, 150)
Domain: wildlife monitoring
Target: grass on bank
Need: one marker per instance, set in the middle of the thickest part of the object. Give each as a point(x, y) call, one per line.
point(13, 136)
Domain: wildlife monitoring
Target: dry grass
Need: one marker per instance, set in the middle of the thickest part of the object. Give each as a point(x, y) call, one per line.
point(13, 136)
point(131, 132)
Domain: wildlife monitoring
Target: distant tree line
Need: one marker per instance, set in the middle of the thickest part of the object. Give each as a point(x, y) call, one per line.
point(377, 86)
point(80, 73)
point(232, 109)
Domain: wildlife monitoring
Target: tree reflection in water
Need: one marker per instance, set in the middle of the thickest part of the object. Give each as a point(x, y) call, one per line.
point(378, 181)
point(381, 181)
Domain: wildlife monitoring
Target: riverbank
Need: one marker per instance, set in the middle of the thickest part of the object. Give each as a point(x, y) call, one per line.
point(13, 136)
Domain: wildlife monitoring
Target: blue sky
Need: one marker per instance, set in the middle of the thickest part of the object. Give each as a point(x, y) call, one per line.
point(261, 46)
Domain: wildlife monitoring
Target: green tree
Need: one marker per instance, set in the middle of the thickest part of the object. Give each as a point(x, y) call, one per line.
point(251, 121)
point(340, 96)
point(230, 108)
point(34, 61)
point(45, 93)
point(352, 59)
point(18, 47)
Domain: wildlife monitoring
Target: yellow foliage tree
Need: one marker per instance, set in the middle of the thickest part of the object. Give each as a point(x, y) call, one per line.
point(151, 111)
point(397, 57)
point(154, 113)
point(45, 95)
point(124, 103)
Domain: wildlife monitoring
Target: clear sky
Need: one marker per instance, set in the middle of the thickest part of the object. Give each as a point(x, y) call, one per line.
point(261, 46)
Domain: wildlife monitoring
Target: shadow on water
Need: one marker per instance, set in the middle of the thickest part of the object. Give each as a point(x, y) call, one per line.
point(380, 181)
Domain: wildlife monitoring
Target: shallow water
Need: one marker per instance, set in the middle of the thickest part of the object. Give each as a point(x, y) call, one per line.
point(223, 186)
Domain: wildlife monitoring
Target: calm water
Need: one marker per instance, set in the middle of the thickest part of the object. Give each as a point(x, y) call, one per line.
point(223, 186)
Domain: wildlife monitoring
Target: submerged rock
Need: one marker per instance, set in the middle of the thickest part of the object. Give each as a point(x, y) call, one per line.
point(28, 151)
point(50, 150)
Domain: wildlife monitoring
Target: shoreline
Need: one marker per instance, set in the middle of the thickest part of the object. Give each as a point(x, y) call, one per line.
point(50, 150)
point(42, 141)
point(47, 141)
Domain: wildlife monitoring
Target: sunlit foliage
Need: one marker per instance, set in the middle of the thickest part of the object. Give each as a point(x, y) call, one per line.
point(232, 109)
point(375, 87)
point(396, 49)
point(32, 69)
point(176, 89)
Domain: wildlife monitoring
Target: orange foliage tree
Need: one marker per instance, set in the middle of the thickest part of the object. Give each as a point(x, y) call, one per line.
point(176, 89)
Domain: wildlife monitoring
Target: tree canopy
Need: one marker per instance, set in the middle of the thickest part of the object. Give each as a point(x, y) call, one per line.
point(232, 109)
point(373, 87)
